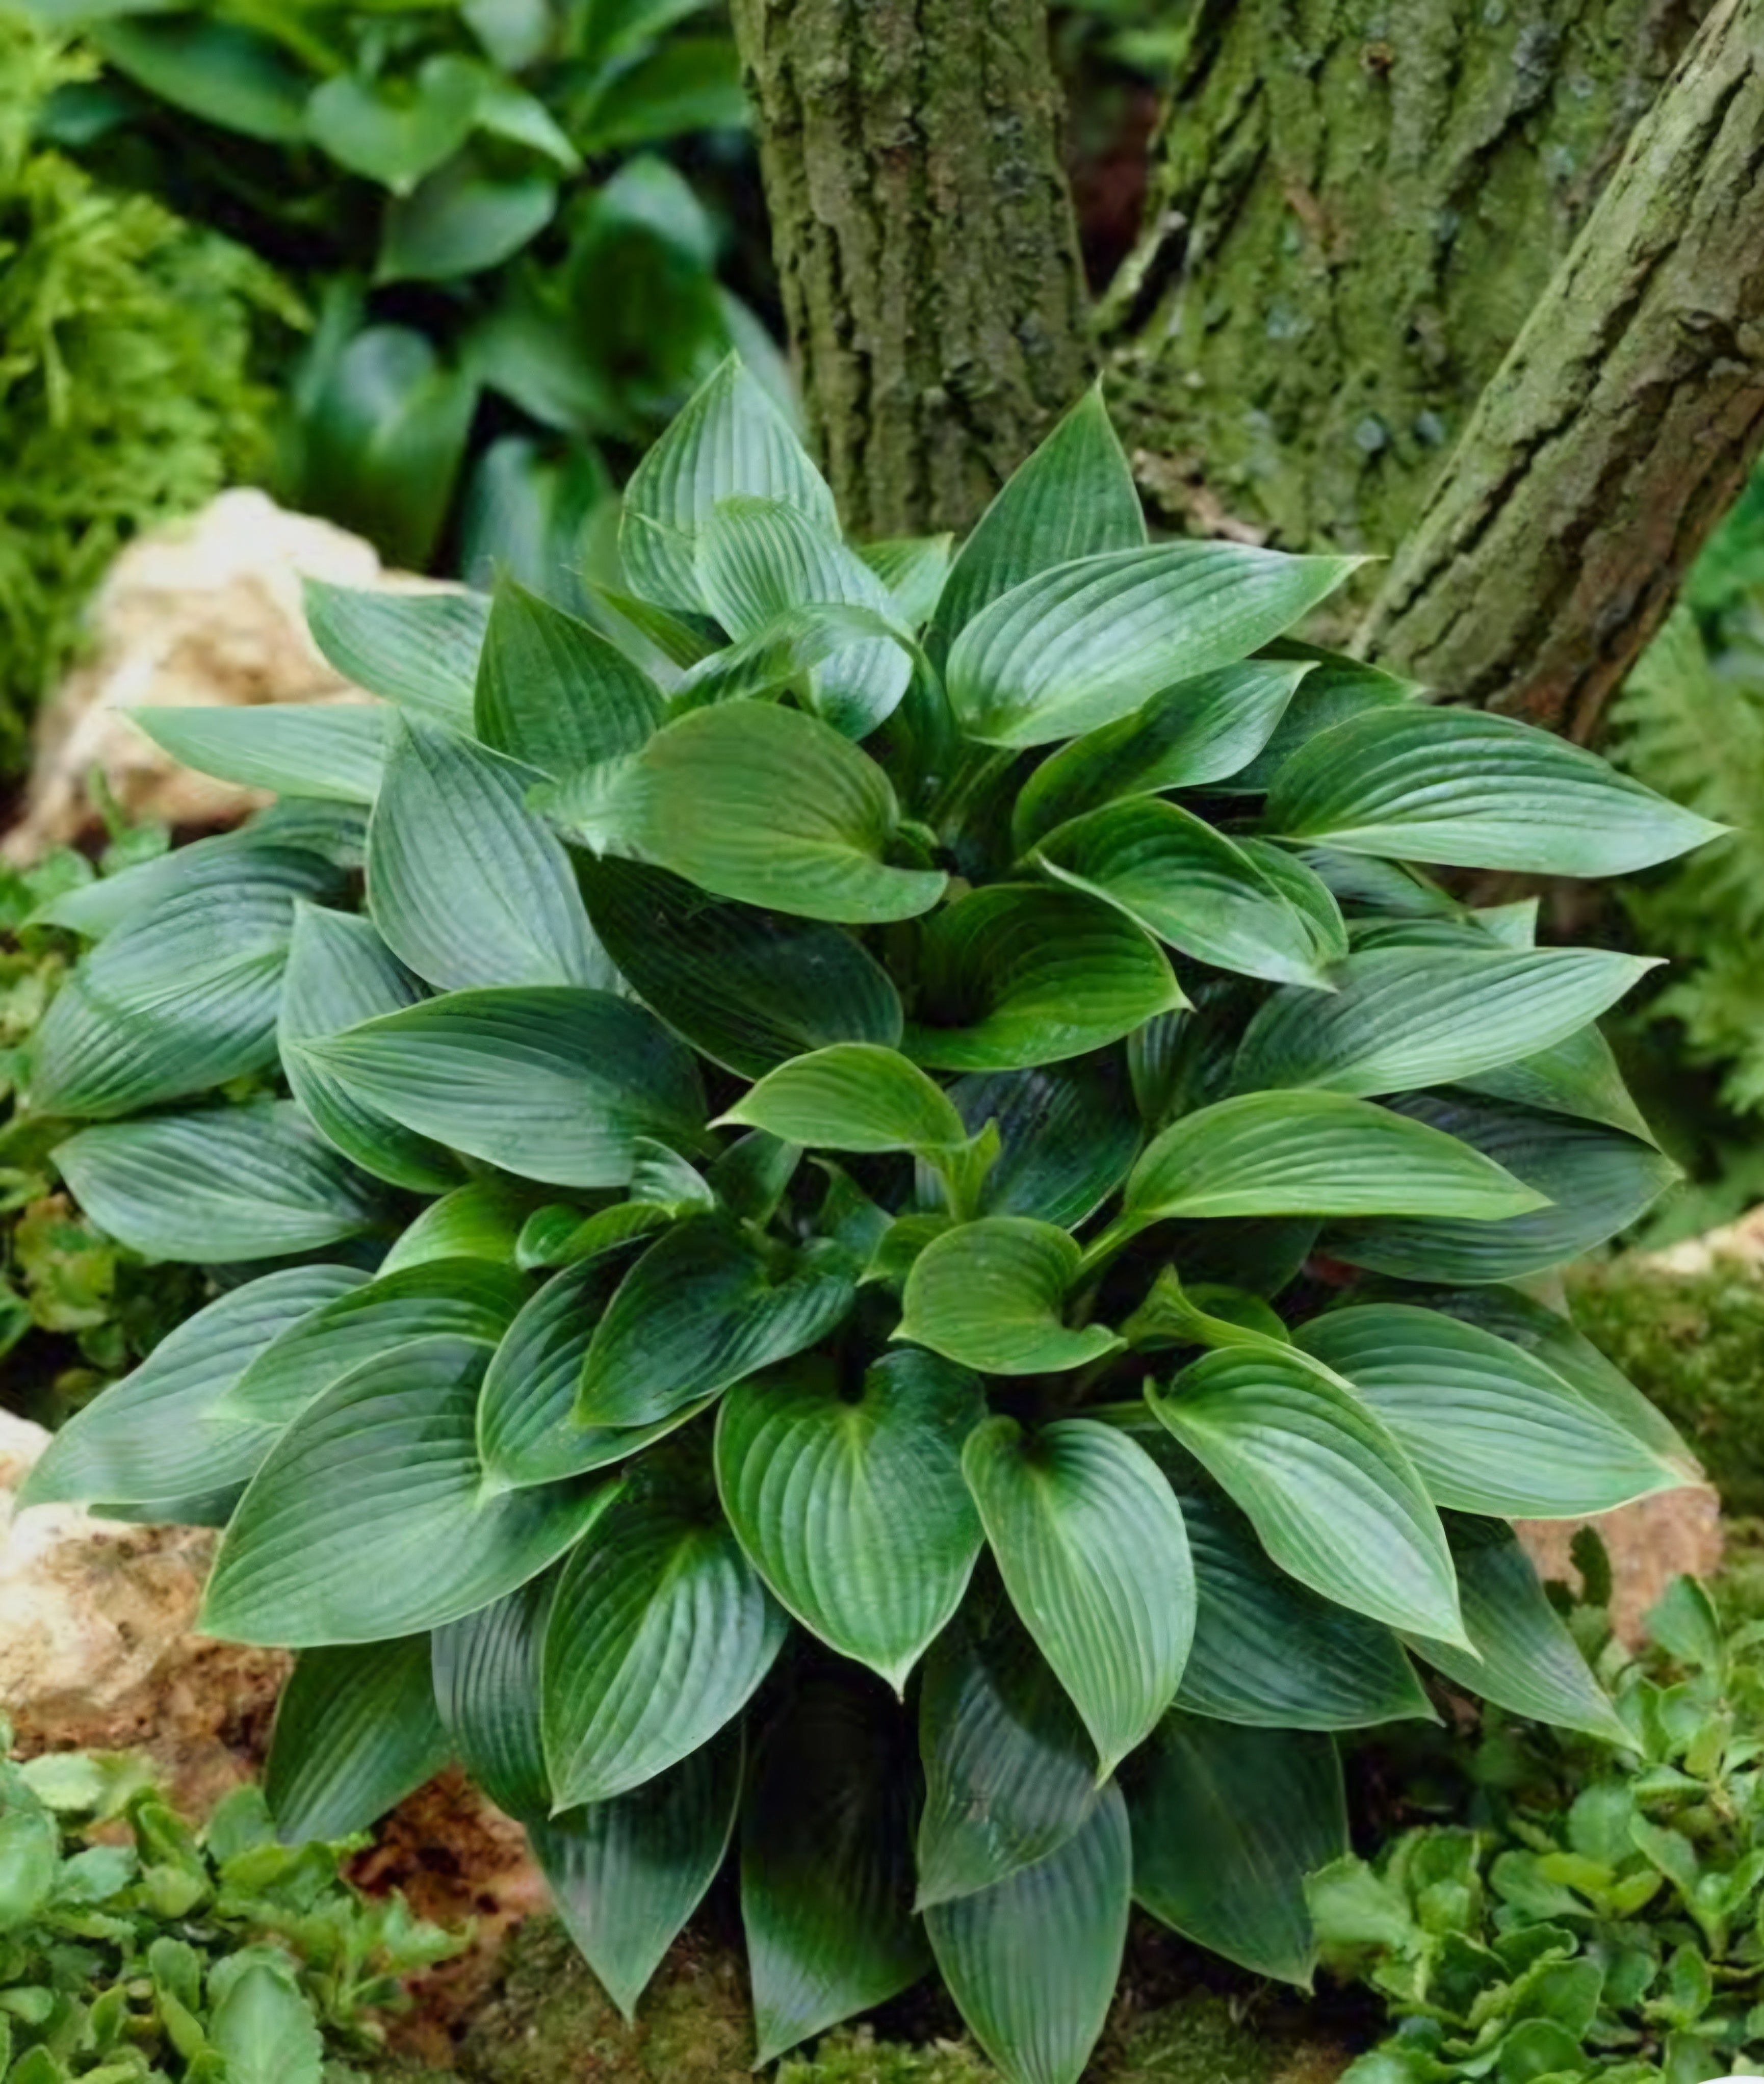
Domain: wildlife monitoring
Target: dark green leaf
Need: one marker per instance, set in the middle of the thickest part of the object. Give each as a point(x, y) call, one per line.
point(462, 219)
point(395, 131)
point(418, 649)
point(554, 694)
point(1335, 688)
point(991, 1295)
point(1578, 1076)
point(1068, 1133)
point(486, 1678)
point(687, 83)
point(224, 73)
point(356, 1731)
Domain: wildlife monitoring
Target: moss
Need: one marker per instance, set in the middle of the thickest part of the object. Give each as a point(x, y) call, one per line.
point(1694, 1344)
point(860, 2058)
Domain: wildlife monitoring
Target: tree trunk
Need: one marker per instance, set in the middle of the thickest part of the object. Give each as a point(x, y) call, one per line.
point(925, 243)
point(1356, 205)
point(1620, 428)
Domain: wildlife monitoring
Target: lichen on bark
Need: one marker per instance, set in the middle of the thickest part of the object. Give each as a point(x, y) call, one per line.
point(924, 237)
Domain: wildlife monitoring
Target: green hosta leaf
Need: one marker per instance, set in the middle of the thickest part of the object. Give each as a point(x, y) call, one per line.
point(1337, 1502)
point(295, 748)
point(1269, 1653)
point(826, 1865)
point(854, 1511)
point(419, 650)
point(758, 559)
point(750, 989)
point(1068, 1134)
point(1490, 1429)
point(221, 71)
point(235, 1183)
point(913, 569)
point(340, 972)
point(548, 1082)
point(1578, 1076)
point(1227, 1823)
point(1401, 1018)
point(1010, 1771)
point(1526, 1660)
point(1593, 1181)
point(626, 1875)
point(561, 1236)
point(356, 1731)
point(1090, 1543)
point(1075, 498)
point(1336, 687)
point(788, 652)
point(1191, 886)
point(1316, 1154)
point(467, 1298)
point(527, 1427)
point(1079, 646)
point(660, 1631)
point(162, 1433)
point(468, 886)
point(371, 1518)
point(1475, 790)
point(1013, 975)
point(487, 1693)
point(1033, 1962)
point(729, 439)
point(1200, 731)
point(991, 1295)
point(262, 2025)
point(463, 218)
point(704, 1307)
point(395, 131)
point(480, 1220)
point(852, 1096)
point(554, 694)
point(268, 851)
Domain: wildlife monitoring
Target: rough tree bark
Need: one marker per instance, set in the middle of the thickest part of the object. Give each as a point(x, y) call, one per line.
point(924, 237)
point(1353, 207)
point(1620, 426)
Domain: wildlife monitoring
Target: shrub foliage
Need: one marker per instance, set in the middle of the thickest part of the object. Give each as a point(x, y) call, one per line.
point(808, 1213)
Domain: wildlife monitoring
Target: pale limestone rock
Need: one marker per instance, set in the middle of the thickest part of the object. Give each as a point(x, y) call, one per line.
point(204, 610)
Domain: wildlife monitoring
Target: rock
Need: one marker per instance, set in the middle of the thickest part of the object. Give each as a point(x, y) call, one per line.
point(1650, 1542)
point(97, 1652)
point(1738, 1245)
point(205, 611)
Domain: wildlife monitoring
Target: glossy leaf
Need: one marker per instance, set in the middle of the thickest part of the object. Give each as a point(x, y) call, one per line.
point(1010, 1771)
point(1579, 1075)
point(369, 1519)
point(481, 1220)
point(1335, 688)
point(764, 805)
point(221, 71)
point(465, 217)
point(250, 1182)
point(826, 1866)
point(467, 886)
point(1191, 886)
point(1490, 1429)
point(1088, 643)
point(356, 1731)
point(548, 1082)
point(1227, 1825)
point(1337, 1502)
point(1525, 1660)
point(1090, 1543)
point(1477, 791)
point(1199, 731)
point(1068, 1134)
point(555, 694)
point(913, 569)
point(1012, 976)
point(418, 649)
point(329, 749)
point(854, 1511)
point(1401, 1018)
point(660, 1631)
point(486, 1692)
point(1074, 498)
point(729, 439)
point(396, 131)
point(852, 1096)
point(1032, 1962)
point(992, 1295)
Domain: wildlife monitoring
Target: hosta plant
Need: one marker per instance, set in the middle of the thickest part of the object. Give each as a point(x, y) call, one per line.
point(808, 1213)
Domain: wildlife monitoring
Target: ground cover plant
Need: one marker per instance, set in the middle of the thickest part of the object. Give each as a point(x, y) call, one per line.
point(133, 1950)
point(796, 1298)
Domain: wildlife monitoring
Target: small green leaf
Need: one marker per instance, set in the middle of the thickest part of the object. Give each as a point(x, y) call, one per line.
point(418, 649)
point(235, 1183)
point(991, 1295)
point(1088, 643)
point(854, 1511)
point(356, 1731)
point(1068, 1133)
point(763, 804)
point(395, 131)
point(1475, 790)
point(552, 1083)
point(1227, 1825)
point(1012, 976)
point(555, 694)
point(328, 750)
point(1033, 1962)
point(853, 1096)
point(261, 2024)
point(913, 569)
point(1337, 1502)
point(1090, 1542)
point(467, 885)
point(660, 1631)
point(463, 218)
point(221, 71)
point(371, 1518)
point(480, 1221)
